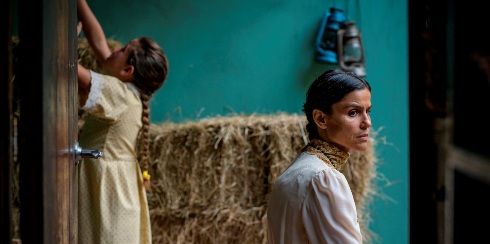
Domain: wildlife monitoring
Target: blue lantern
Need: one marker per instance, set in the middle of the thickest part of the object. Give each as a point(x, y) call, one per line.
point(326, 42)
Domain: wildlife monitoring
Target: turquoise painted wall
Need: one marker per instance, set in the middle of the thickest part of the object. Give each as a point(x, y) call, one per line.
point(257, 56)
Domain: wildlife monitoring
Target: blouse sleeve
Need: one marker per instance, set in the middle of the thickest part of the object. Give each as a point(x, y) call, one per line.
point(329, 212)
point(107, 98)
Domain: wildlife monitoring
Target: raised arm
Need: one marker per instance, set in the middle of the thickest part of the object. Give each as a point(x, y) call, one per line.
point(93, 32)
point(84, 83)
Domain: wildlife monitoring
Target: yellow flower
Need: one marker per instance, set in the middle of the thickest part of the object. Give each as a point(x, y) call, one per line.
point(146, 176)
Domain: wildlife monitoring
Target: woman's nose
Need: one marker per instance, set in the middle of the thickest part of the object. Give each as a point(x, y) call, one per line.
point(366, 123)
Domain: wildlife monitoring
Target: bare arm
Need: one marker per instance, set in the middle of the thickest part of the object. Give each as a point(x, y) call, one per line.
point(84, 83)
point(94, 32)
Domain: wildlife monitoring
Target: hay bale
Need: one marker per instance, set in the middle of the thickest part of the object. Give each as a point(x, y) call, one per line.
point(211, 178)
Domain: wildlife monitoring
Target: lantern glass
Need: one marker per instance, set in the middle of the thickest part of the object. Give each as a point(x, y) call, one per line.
point(349, 49)
point(326, 43)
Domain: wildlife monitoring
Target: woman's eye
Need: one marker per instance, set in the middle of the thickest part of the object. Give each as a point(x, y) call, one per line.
point(353, 113)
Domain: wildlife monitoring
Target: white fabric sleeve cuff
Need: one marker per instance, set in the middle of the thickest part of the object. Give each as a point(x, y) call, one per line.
point(95, 93)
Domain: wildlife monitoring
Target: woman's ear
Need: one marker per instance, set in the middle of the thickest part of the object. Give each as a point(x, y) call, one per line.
point(320, 119)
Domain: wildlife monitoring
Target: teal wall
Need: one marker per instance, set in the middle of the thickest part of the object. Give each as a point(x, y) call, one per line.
point(257, 56)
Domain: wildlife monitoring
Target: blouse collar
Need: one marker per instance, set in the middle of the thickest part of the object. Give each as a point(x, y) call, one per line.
point(133, 88)
point(327, 152)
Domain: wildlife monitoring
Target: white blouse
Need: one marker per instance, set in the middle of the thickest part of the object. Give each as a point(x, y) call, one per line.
point(311, 202)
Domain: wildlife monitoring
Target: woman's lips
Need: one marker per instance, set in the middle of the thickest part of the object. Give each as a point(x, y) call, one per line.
point(364, 137)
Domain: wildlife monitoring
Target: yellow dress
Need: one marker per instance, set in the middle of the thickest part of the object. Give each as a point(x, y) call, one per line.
point(112, 203)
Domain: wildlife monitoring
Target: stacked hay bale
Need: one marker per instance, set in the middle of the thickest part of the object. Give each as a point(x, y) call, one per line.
point(211, 178)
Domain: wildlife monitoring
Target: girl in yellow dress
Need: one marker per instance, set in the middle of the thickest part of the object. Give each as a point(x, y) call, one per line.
point(112, 203)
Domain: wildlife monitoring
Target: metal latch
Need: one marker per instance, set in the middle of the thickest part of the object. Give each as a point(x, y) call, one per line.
point(86, 153)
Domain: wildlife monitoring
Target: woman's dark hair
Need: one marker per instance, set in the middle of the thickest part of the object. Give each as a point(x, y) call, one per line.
point(329, 88)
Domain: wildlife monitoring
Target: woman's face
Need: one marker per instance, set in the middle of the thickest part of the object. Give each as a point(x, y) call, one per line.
point(349, 124)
